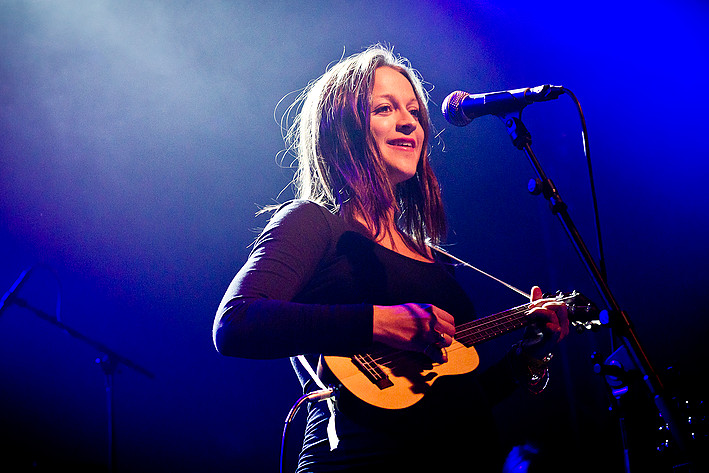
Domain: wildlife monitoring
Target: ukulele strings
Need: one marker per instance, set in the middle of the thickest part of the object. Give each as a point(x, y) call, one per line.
point(473, 331)
point(469, 329)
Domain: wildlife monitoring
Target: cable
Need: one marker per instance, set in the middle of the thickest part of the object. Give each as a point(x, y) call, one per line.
point(587, 152)
point(314, 396)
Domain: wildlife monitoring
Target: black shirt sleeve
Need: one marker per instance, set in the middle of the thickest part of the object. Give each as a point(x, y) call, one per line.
point(257, 318)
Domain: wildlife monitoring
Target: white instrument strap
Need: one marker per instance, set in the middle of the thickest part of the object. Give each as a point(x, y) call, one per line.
point(331, 431)
point(508, 286)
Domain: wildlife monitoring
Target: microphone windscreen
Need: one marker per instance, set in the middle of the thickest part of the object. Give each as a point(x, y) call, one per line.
point(452, 110)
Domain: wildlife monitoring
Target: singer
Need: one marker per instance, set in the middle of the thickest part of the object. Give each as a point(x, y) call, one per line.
point(351, 265)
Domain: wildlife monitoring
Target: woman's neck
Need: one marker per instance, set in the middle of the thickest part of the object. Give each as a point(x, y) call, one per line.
point(391, 238)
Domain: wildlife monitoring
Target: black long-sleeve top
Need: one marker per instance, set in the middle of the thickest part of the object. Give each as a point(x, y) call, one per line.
point(309, 287)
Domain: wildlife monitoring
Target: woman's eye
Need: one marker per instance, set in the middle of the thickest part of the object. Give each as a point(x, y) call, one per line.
point(382, 109)
point(415, 113)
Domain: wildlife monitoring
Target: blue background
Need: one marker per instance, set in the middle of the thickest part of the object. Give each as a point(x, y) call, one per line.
point(139, 138)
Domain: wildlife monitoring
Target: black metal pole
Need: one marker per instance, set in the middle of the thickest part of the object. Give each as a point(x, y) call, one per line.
point(618, 319)
point(109, 361)
point(109, 368)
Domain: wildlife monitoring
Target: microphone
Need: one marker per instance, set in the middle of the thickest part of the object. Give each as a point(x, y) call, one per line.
point(460, 108)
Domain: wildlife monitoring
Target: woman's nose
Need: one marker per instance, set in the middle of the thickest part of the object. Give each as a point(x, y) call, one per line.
point(407, 123)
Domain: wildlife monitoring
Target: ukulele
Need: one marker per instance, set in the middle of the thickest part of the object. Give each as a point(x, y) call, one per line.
point(396, 379)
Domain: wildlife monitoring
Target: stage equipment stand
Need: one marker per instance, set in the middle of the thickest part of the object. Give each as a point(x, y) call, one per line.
point(618, 321)
point(108, 359)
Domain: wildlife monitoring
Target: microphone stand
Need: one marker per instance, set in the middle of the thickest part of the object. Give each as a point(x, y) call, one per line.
point(618, 319)
point(109, 361)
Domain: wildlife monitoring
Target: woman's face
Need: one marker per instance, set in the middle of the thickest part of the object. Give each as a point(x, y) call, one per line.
point(394, 123)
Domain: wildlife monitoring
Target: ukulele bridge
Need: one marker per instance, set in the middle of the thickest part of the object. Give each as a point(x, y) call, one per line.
point(372, 371)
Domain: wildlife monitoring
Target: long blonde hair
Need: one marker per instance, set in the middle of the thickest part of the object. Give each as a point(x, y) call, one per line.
point(339, 164)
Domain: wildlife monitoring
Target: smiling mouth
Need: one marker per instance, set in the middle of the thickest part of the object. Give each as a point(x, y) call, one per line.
point(402, 143)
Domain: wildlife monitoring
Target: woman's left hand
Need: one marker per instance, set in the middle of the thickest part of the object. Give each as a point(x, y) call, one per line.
point(550, 325)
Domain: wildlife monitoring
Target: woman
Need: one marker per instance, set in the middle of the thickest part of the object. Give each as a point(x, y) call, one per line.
point(351, 263)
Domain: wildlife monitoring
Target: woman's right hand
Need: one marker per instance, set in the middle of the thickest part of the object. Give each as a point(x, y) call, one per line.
point(415, 327)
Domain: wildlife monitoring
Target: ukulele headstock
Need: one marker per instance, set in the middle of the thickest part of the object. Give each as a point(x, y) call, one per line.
point(583, 313)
